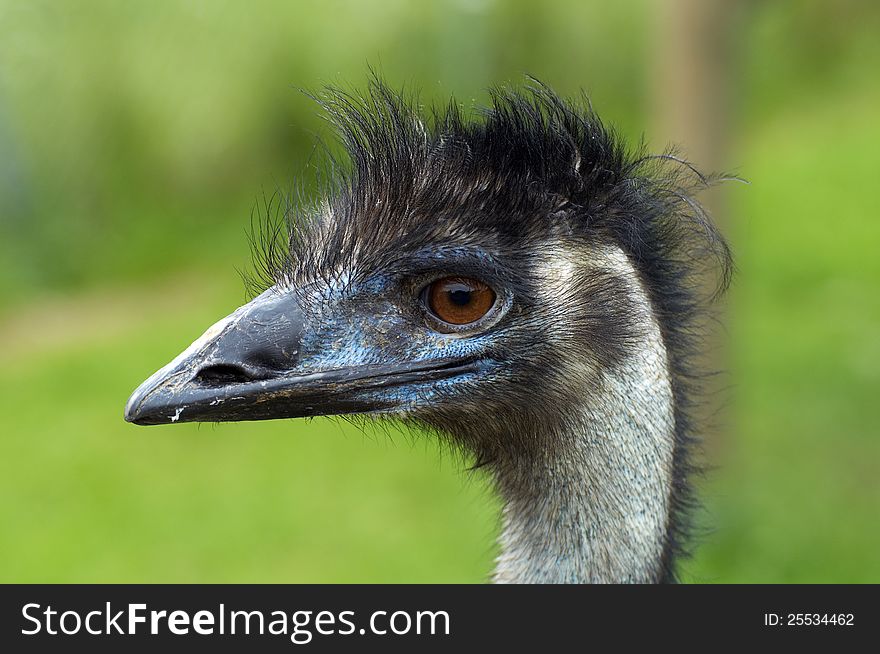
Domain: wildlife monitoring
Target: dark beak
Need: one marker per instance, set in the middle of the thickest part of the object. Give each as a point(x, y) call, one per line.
point(249, 366)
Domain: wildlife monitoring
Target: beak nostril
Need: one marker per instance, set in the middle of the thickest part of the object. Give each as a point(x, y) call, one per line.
point(221, 374)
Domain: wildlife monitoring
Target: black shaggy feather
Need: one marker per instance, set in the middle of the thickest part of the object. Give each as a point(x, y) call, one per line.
point(529, 164)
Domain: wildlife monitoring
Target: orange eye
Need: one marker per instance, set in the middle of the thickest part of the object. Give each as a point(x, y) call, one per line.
point(459, 300)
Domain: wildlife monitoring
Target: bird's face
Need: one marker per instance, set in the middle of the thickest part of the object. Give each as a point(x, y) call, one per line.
point(390, 343)
point(454, 333)
point(415, 335)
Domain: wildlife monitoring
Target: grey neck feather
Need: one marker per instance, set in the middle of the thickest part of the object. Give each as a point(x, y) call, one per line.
point(596, 508)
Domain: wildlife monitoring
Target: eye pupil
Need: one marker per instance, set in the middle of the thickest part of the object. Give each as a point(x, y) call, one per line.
point(458, 300)
point(460, 297)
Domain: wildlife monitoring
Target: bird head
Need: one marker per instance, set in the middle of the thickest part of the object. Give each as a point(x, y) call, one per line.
point(467, 274)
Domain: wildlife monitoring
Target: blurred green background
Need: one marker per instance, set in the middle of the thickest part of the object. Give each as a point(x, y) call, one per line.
point(135, 139)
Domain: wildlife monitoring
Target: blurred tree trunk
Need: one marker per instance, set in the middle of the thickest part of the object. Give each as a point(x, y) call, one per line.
point(694, 82)
point(694, 94)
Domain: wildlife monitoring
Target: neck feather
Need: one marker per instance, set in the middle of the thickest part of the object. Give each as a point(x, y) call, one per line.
point(596, 507)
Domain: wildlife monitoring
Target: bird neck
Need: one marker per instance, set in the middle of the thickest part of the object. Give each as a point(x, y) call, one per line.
point(594, 505)
point(594, 508)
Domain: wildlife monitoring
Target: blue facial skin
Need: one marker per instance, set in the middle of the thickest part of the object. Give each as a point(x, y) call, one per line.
point(382, 320)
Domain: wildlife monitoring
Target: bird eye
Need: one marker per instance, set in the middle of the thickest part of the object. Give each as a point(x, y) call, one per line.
point(459, 300)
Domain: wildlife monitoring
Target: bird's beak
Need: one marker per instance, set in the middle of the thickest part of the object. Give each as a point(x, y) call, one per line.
point(248, 366)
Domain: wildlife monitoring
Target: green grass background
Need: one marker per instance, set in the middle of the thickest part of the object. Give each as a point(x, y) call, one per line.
point(134, 140)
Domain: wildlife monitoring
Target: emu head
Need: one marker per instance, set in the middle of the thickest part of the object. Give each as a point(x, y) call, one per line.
point(479, 277)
